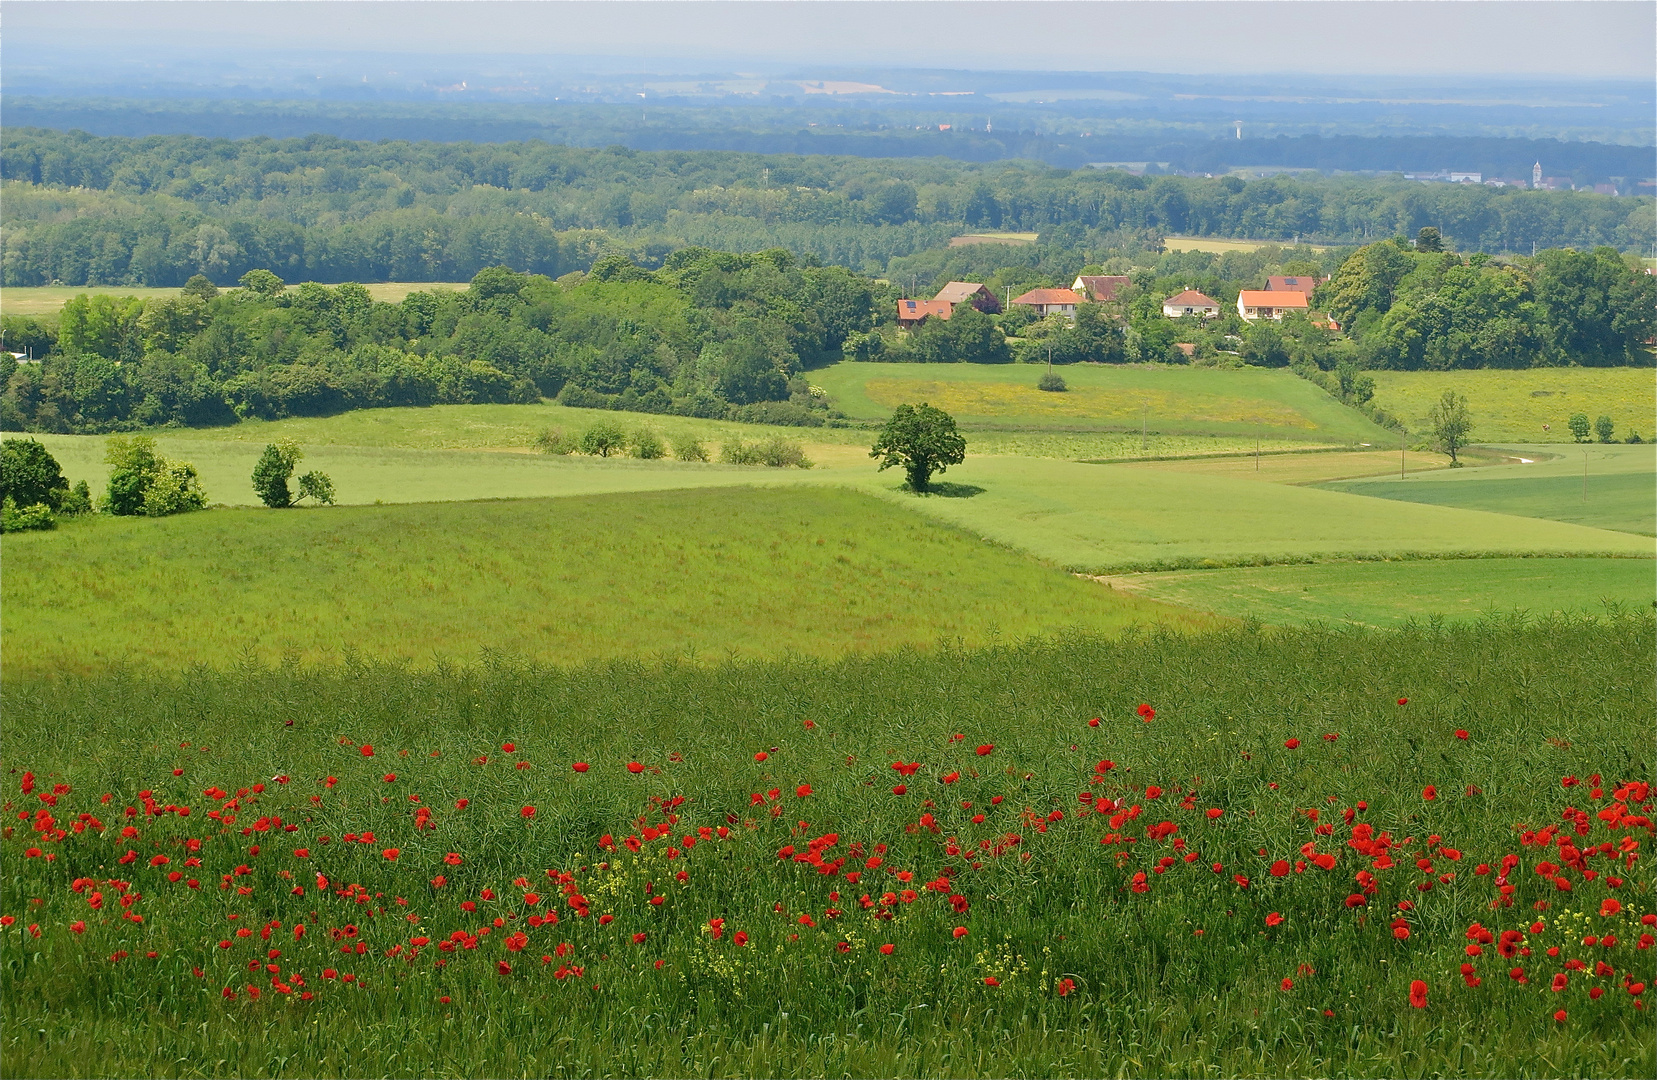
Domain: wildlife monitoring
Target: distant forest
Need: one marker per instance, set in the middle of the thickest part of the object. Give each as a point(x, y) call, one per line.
point(86, 210)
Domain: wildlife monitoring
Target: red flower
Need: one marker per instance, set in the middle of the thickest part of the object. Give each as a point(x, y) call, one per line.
point(527, 812)
point(1146, 711)
point(1287, 984)
point(803, 790)
point(761, 756)
point(1610, 906)
point(809, 724)
point(1064, 987)
point(900, 789)
point(1356, 900)
point(516, 942)
point(1559, 1016)
point(991, 980)
point(1274, 919)
point(960, 932)
point(638, 939)
point(503, 967)
point(1292, 744)
point(635, 767)
point(390, 778)
point(739, 938)
point(391, 853)
point(1461, 733)
point(986, 749)
point(1418, 994)
point(581, 766)
point(78, 927)
point(1429, 793)
point(886, 950)
point(1559, 982)
point(1093, 722)
point(1403, 701)
point(1214, 812)
point(452, 858)
point(1280, 868)
point(367, 751)
point(509, 747)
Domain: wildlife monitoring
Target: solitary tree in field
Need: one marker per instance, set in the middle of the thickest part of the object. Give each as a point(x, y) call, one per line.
point(1579, 427)
point(1451, 424)
point(1605, 427)
point(923, 440)
point(276, 465)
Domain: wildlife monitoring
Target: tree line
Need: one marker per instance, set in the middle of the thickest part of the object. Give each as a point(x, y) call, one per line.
point(81, 209)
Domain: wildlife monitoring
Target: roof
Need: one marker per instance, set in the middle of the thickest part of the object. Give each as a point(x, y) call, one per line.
point(1291, 284)
point(1262, 298)
point(1190, 298)
point(922, 309)
point(957, 291)
point(1102, 287)
point(1048, 296)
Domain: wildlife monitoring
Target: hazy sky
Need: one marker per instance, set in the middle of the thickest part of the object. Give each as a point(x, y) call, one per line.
point(1594, 39)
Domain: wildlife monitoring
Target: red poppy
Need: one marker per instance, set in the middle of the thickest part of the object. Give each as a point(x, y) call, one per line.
point(1064, 987)
point(516, 942)
point(1403, 701)
point(367, 751)
point(960, 932)
point(761, 756)
point(991, 980)
point(79, 927)
point(527, 812)
point(1274, 919)
point(1093, 722)
point(986, 750)
point(1559, 1016)
point(1280, 868)
point(1292, 744)
point(509, 747)
point(886, 950)
point(1287, 984)
point(635, 767)
point(1429, 793)
point(453, 858)
point(1610, 906)
point(803, 790)
point(1461, 733)
point(391, 853)
point(581, 766)
point(739, 938)
point(1146, 711)
point(1214, 812)
point(638, 939)
point(1356, 900)
point(1418, 994)
point(503, 967)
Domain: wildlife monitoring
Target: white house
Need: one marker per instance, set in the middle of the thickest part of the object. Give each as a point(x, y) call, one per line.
point(1190, 302)
point(1255, 304)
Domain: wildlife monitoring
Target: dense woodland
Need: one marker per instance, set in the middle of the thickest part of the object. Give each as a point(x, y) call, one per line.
point(80, 209)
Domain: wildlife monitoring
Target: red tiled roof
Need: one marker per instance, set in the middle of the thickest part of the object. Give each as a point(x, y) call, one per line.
point(957, 291)
point(1291, 284)
point(921, 309)
point(1190, 298)
point(1048, 296)
point(1262, 298)
point(1103, 287)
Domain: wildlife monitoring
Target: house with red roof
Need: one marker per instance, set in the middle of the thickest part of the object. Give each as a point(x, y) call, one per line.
point(973, 292)
point(1050, 301)
point(1100, 288)
point(1255, 304)
point(1190, 302)
point(1280, 283)
point(914, 312)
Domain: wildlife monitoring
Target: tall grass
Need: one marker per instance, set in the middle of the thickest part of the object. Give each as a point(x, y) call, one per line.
point(1185, 978)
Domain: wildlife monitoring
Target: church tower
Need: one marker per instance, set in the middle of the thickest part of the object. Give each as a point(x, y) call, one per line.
point(1536, 175)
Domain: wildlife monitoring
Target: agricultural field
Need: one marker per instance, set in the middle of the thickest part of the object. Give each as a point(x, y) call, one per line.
point(1607, 487)
point(1241, 404)
point(1168, 855)
point(49, 299)
point(1533, 406)
point(738, 571)
point(1219, 246)
point(1016, 238)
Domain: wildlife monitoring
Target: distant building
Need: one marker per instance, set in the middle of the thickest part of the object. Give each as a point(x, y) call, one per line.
point(1536, 175)
point(1292, 284)
point(1466, 177)
point(1605, 189)
point(1253, 304)
point(1100, 288)
point(1050, 301)
point(1190, 302)
point(981, 297)
point(915, 312)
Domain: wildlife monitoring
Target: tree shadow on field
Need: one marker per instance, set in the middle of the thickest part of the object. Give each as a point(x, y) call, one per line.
point(945, 490)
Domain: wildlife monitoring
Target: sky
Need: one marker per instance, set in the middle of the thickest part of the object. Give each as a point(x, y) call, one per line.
point(1599, 39)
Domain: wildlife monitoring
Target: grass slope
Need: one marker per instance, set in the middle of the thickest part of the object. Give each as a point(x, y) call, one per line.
point(1100, 518)
point(1180, 971)
point(738, 571)
point(1169, 400)
point(1388, 594)
point(1514, 405)
point(49, 299)
point(1620, 491)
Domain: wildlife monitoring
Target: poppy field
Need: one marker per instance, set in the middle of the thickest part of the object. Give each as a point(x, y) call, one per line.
point(1311, 852)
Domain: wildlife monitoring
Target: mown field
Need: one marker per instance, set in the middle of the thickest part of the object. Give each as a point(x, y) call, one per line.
point(1533, 406)
point(1220, 246)
point(49, 299)
point(737, 571)
point(1325, 852)
point(1250, 403)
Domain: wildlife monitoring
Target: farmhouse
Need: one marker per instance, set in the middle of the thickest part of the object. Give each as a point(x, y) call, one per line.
point(971, 291)
point(915, 312)
point(1100, 288)
point(1050, 301)
point(1292, 284)
point(1253, 304)
point(1190, 302)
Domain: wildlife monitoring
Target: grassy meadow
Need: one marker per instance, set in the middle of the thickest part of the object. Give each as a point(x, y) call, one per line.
point(1242, 404)
point(49, 299)
point(737, 571)
point(1238, 854)
point(1533, 406)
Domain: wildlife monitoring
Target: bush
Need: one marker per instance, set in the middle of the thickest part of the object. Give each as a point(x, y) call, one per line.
point(646, 445)
point(174, 490)
point(1052, 382)
point(1605, 429)
point(134, 466)
point(775, 452)
point(603, 439)
point(317, 486)
point(689, 448)
point(78, 501)
point(1579, 427)
point(554, 441)
point(30, 475)
point(1634, 437)
point(270, 475)
point(737, 452)
point(14, 518)
point(780, 413)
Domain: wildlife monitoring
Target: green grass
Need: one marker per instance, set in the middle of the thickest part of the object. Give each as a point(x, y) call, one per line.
point(49, 299)
point(1513, 406)
point(1184, 979)
point(1389, 594)
point(1102, 518)
point(735, 571)
point(1241, 404)
point(1618, 492)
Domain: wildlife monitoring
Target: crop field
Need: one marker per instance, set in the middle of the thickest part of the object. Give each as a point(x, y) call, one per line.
point(1423, 855)
point(1245, 404)
point(1533, 406)
point(1219, 246)
point(731, 572)
point(1608, 487)
point(1016, 238)
point(49, 299)
point(1391, 594)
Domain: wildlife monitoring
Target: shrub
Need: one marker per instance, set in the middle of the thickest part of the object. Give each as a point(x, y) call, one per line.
point(134, 465)
point(689, 448)
point(647, 445)
point(779, 453)
point(603, 439)
point(1634, 437)
point(1053, 382)
point(270, 475)
point(14, 518)
point(1605, 429)
point(174, 490)
point(317, 486)
point(737, 452)
point(29, 474)
point(554, 441)
point(78, 501)
point(1579, 427)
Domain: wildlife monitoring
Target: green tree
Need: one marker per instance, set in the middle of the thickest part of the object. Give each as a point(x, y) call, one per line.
point(173, 490)
point(1428, 239)
point(1579, 427)
point(200, 288)
point(270, 475)
point(1451, 424)
point(133, 467)
point(29, 474)
point(922, 440)
point(1604, 428)
point(263, 284)
point(316, 486)
point(603, 439)
point(1052, 382)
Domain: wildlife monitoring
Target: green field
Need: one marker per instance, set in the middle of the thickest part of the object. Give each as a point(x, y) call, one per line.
point(1607, 487)
point(715, 914)
point(1514, 406)
point(1389, 594)
point(49, 299)
point(739, 571)
point(1241, 404)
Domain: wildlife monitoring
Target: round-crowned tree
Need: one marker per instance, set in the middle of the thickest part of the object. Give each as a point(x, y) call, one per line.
point(923, 440)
